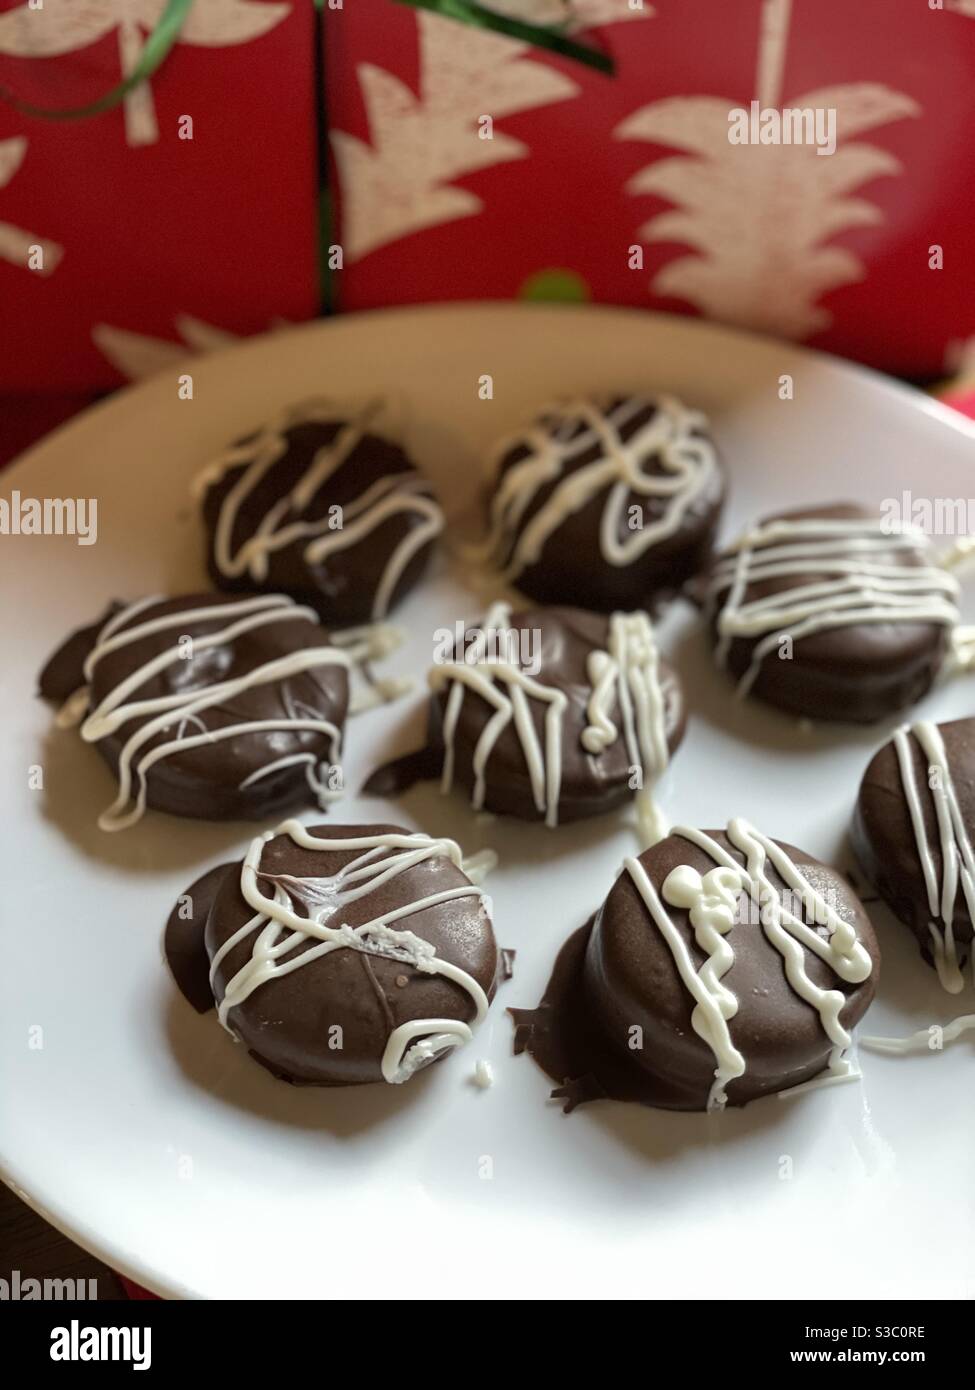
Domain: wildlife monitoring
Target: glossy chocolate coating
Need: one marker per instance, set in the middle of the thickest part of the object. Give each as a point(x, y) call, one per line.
point(571, 568)
point(883, 834)
point(286, 1022)
point(204, 783)
point(341, 587)
point(618, 975)
point(591, 783)
point(859, 673)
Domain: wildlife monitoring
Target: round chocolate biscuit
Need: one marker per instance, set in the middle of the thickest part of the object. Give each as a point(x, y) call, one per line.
point(597, 761)
point(340, 955)
point(912, 832)
point(552, 714)
point(722, 966)
point(323, 508)
point(606, 505)
point(830, 614)
point(207, 706)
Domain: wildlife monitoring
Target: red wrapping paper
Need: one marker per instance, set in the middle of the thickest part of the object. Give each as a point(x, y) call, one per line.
point(158, 246)
point(154, 239)
point(828, 250)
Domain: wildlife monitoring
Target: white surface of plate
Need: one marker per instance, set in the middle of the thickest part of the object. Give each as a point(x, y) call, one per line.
point(147, 1135)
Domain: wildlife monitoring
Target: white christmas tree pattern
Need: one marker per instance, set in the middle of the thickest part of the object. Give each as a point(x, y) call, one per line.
point(400, 182)
point(758, 217)
point(62, 26)
point(138, 355)
point(15, 244)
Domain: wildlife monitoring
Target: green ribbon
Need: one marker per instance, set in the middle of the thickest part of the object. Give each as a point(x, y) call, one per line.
point(167, 31)
point(173, 17)
point(538, 35)
point(156, 49)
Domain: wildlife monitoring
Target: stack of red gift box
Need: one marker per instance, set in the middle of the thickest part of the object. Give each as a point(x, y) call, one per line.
point(463, 163)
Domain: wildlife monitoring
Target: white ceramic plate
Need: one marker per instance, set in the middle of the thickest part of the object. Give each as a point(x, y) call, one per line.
point(144, 1133)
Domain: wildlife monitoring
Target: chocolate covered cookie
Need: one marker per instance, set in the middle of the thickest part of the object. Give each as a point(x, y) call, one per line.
point(553, 714)
point(912, 832)
point(340, 955)
point(723, 966)
point(210, 707)
point(606, 505)
point(323, 508)
point(831, 613)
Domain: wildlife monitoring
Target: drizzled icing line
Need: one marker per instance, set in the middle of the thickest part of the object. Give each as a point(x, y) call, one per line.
point(626, 674)
point(957, 858)
point(508, 689)
point(392, 495)
point(712, 902)
point(862, 584)
point(962, 654)
point(366, 644)
point(921, 1041)
point(279, 931)
point(688, 461)
point(708, 899)
point(184, 708)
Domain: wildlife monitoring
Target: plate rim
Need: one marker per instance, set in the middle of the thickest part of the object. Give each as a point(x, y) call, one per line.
point(900, 390)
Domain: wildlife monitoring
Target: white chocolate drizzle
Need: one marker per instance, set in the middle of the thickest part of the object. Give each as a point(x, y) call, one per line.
point(962, 654)
point(483, 1076)
point(283, 524)
point(825, 1078)
point(712, 901)
point(955, 846)
point(959, 555)
point(626, 674)
point(924, 1039)
point(182, 710)
point(671, 441)
point(280, 932)
point(862, 583)
point(508, 689)
point(364, 645)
